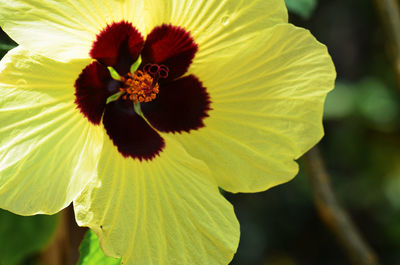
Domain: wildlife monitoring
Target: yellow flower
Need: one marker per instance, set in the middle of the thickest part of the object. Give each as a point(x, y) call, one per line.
point(238, 96)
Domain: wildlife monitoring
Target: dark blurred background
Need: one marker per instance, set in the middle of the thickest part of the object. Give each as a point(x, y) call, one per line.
point(361, 150)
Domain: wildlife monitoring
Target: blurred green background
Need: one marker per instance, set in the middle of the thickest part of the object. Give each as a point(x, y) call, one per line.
point(361, 149)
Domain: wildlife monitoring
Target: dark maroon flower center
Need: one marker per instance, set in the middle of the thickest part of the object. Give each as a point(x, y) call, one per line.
point(137, 87)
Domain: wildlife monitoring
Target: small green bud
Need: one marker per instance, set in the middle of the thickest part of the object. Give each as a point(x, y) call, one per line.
point(138, 109)
point(114, 74)
point(114, 97)
point(136, 64)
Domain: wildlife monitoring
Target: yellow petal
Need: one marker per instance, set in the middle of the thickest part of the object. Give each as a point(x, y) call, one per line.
point(216, 25)
point(48, 151)
point(61, 29)
point(267, 103)
point(164, 212)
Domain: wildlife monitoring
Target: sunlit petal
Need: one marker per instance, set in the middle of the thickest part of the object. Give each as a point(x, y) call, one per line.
point(217, 26)
point(165, 211)
point(267, 104)
point(48, 150)
point(62, 29)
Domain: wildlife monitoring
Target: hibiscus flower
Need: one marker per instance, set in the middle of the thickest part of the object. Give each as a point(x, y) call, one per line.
point(137, 111)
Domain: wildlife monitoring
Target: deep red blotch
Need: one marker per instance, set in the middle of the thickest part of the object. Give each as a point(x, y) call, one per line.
point(130, 132)
point(172, 46)
point(181, 105)
point(118, 45)
point(92, 88)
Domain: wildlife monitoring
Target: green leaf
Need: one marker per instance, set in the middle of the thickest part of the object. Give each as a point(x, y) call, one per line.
point(377, 103)
point(22, 236)
point(91, 253)
point(6, 47)
point(303, 8)
point(369, 98)
point(340, 102)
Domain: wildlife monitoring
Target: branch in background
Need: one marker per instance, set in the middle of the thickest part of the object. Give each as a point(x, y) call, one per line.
point(390, 14)
point(63, 250)
point(333, 214)
point(57, 253)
